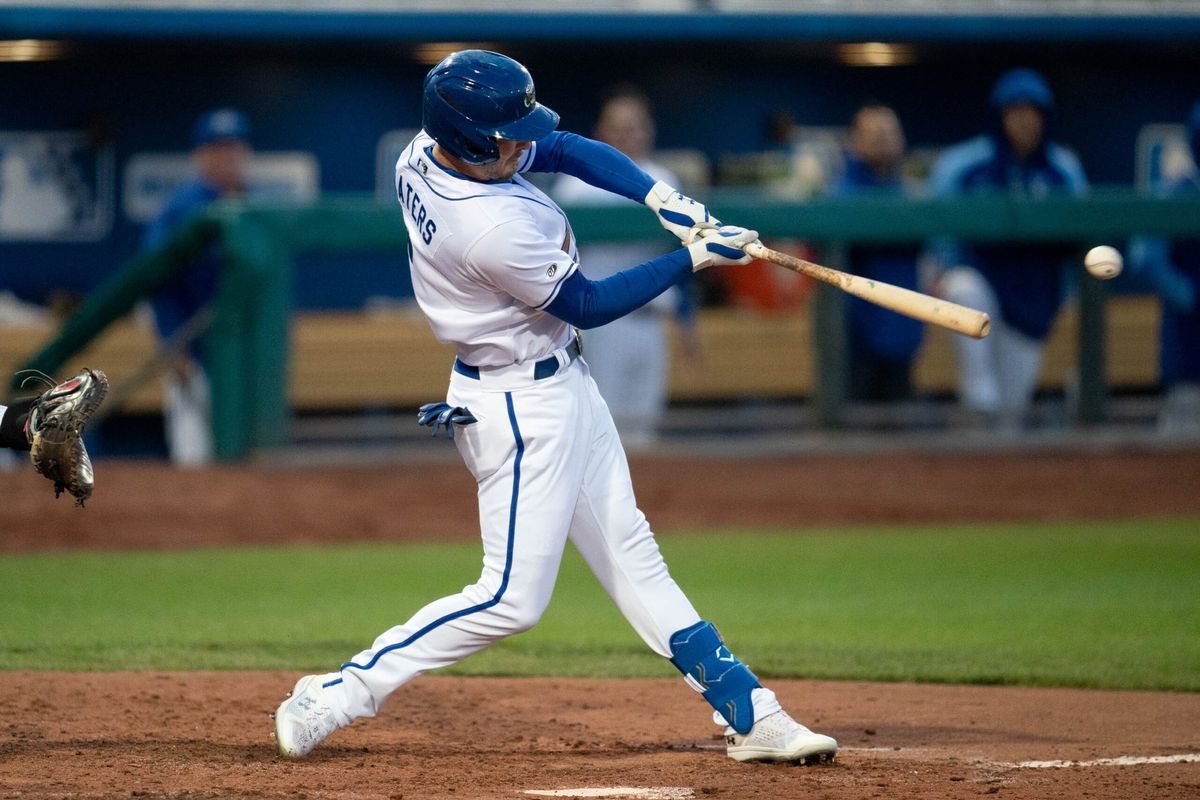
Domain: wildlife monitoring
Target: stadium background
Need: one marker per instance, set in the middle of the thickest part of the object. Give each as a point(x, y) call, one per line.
point(137, 80)
point(145, 638)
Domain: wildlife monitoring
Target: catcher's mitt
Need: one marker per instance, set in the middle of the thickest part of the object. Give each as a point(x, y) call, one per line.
point(55, 431)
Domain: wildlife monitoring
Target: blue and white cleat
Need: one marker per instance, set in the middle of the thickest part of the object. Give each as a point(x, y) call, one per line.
point(779, 738)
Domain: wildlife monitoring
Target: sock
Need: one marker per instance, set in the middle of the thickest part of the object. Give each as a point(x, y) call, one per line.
point(765, 704)
point(12, 424)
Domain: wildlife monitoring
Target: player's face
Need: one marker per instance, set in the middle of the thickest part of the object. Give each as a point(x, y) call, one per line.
point(625, 124)
point(1023, 125)
point(878, 139)
point(224, 164)
point(506, 165)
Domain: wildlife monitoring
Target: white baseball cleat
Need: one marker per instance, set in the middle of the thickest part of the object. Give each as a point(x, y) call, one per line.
point(777, 738)
point(304, 719)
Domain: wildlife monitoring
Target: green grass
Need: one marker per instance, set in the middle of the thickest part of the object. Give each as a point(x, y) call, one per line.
point(1113, 605)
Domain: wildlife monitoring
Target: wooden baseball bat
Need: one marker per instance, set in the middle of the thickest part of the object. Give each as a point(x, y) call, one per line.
point(960, 319)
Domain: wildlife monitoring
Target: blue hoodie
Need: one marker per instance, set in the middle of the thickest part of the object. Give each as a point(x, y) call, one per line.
point(883, 333)
point(194, 285)
point(1027, 277)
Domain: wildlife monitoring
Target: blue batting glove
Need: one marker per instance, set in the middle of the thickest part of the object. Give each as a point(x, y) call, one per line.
point(438, 414)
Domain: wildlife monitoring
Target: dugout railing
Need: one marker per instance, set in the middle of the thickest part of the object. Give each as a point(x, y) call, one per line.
point(248, 341)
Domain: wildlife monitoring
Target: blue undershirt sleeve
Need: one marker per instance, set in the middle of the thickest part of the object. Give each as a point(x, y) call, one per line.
point(589, 304)
point(685, 309)
point(593, 162)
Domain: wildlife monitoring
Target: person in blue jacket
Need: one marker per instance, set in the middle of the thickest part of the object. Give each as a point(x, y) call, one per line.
point(882, 343)
point(1171, 269)
point(220, 157)
point(1020, 285)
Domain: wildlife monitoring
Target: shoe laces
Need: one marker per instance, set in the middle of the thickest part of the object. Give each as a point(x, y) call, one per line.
point(777, 726)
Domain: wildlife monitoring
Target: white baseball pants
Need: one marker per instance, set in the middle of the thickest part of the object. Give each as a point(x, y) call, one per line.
point(997, 374)
point(549, 466)
point(187, 415)
point(629, 359)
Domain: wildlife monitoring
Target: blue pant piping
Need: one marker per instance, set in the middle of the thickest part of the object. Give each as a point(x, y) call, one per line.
point(512, 533)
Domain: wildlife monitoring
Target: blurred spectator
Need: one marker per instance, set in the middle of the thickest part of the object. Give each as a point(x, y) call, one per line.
point(882, 342)
point(1172, 270)
point(221, 156)
point(1019, 285)
point(630, 357)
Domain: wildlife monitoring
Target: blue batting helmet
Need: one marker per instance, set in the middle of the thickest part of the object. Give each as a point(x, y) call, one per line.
point(474, 97)
point(1022, 86)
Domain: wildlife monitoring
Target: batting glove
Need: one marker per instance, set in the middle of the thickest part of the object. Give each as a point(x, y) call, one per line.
point(679, 214)
point(725, 246)
point(436, 415)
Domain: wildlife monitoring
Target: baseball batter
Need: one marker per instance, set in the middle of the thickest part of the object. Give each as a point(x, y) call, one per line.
point(495, 269)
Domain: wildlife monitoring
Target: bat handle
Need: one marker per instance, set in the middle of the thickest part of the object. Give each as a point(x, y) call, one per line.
point(755, 249)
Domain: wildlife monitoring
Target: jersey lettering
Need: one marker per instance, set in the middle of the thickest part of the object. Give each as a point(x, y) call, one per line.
point(425, 226)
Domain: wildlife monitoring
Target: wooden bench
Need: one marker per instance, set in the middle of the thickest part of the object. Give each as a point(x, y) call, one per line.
point(1131, 349)
point(355, 360)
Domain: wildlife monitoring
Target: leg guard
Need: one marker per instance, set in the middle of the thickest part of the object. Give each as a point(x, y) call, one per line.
point(700, 654)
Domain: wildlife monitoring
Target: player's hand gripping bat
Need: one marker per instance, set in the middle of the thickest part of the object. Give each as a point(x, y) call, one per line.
point(952, 316)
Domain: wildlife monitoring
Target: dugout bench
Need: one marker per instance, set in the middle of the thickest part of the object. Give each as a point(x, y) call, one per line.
point(346, 361)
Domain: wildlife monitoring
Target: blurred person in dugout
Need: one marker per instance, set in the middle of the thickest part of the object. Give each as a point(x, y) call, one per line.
point(1171, 269)
point(882, 343)
point(220, 159)
point(1019, 285)
point(630, 357)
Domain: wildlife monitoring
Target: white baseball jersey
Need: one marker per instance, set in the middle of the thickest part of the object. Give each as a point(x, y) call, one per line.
point(486, 258)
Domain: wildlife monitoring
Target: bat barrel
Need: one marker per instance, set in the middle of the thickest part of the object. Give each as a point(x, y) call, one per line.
point(960, 319)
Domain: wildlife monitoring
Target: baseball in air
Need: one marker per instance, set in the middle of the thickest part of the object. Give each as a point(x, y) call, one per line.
point(1103, 262)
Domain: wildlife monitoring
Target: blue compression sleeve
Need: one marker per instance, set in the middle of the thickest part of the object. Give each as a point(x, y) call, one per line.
point(590, 304)
point(593, 162)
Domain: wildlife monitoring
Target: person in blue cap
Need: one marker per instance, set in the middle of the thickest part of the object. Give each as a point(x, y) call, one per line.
point(882, 343)
point(1020, 285)
point(220, 159)
point(1171, 269)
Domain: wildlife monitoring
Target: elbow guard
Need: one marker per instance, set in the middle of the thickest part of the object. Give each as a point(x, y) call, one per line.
point(700, 654)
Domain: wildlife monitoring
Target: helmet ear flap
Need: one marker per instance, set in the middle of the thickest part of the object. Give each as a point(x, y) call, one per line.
point(480, 157)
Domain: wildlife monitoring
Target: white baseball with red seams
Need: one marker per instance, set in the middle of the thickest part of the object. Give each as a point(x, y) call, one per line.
point(1103, 262)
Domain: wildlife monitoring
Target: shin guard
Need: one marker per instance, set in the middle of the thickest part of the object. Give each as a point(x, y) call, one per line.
point(700, 654)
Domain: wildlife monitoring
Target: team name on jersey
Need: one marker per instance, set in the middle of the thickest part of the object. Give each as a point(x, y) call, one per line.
point(411, 200)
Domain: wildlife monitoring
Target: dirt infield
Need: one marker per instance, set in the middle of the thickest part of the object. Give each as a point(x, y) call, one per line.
point(207, 734)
